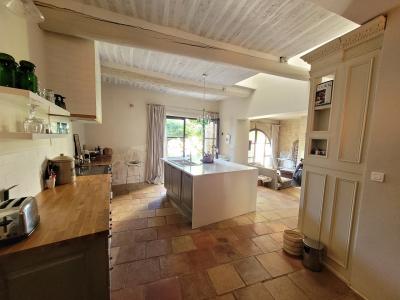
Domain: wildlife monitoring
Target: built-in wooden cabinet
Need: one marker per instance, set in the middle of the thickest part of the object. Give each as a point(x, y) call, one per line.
point(336, 138)
point(73, 70)
point(176, 181)
point(187, 193)
point(179, 187)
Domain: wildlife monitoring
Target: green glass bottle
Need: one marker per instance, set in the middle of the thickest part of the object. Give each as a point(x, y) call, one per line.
point(8, 70)
point(27, 79)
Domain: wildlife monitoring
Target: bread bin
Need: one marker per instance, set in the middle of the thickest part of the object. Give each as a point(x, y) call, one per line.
point(64, 166)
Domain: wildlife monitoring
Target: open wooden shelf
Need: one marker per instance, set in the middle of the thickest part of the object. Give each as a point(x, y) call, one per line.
point(320, 107)
point(14, 95)
point(30, 136)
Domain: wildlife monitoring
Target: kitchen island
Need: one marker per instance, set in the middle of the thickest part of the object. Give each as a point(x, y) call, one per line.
point(209, 193)
point(66, 257)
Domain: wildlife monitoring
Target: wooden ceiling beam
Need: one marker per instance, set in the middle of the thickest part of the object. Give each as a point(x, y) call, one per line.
point(139, 75)
point(81, 20)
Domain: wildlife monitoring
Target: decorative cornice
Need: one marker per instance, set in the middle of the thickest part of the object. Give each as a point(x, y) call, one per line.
point(360, 35)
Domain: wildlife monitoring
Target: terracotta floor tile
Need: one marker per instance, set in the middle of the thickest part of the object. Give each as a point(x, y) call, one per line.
point(156, 221)
point(246, 247)
point(251, 271)
point(225, 297)
point(350, 296)
point(225, 253)
point(231, 241)
point(145, 213)
point(276, 226)
point(123, 238)
point(157, 248)
point(277, 236)
point(270, 215)
point(168, 231)
point(242, 220)
point(256, 217)
point(283, 288)
point(266, 243)
point(182, 244)
point(224, 235)
point(320, 285)
point(186, 229)
point(254, 292)
point(204, 240)
point(261, 229)
point(290, 222)
point(142, 271)
point(176, 219)
point(275, 264)
point(136, 293)
point(165, 289)
point(131, 253)
point(118, 277)
point(166, 211)
point(196, 286)
point(175, 264)
point(225, 279)
point(226, 224)
point(288, 212)
point(114, 251)
point(202, 259)
point(295, 262)
point(244, 231)
point(147, 234)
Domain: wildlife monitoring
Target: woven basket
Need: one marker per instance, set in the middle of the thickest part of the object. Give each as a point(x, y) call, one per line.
point(293, 242)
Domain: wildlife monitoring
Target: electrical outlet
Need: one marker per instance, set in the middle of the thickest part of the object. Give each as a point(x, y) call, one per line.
point(377, 176)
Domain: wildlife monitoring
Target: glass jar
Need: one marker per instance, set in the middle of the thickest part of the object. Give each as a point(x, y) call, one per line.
point(8, 70)
point(27, 79)
point(33, 124)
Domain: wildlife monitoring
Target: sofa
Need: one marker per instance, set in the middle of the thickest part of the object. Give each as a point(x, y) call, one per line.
point(277, 181)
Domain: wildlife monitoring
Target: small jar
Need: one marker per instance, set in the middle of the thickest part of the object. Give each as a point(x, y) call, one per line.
point(27, 79)
point(8, 70)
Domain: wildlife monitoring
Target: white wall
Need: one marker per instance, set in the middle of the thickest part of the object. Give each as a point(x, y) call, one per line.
point(376, 262)
point(273, 95)
point(22, 162)
point(124, 128)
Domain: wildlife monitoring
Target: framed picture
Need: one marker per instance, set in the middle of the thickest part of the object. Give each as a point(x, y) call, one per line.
point(323, 94)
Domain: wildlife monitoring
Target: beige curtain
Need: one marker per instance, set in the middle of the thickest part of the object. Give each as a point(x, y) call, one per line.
point(275, 145)
point(155, 143)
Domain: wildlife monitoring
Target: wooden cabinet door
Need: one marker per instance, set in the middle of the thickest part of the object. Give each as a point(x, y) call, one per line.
point(187, 192)
point(167, 176)
point(176, 180)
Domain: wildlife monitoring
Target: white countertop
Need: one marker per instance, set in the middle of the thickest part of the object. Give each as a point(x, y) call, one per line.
point(219, 166)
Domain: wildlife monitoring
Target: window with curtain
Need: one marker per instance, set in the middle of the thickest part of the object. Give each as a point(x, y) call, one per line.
point(260, 151)
point(185, 137)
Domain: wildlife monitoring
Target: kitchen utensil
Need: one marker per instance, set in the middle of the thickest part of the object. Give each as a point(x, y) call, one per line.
point(18, 217)
point(8, 70)
point(64, 167)
point(26, 78)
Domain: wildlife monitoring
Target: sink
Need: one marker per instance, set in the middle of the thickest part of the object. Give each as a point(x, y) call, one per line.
point(184, 163)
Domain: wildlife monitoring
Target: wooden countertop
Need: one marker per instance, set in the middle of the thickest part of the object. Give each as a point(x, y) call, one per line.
point(69, 211)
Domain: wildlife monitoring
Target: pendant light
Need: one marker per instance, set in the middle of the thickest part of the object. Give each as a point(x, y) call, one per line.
point(205, 117)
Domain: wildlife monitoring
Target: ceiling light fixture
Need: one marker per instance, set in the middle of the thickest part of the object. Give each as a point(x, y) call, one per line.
point(205, 117)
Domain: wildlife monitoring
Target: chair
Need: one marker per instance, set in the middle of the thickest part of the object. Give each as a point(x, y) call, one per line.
point(136, 165)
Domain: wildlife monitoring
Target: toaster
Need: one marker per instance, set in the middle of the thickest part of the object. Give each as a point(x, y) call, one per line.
point(18, 218)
